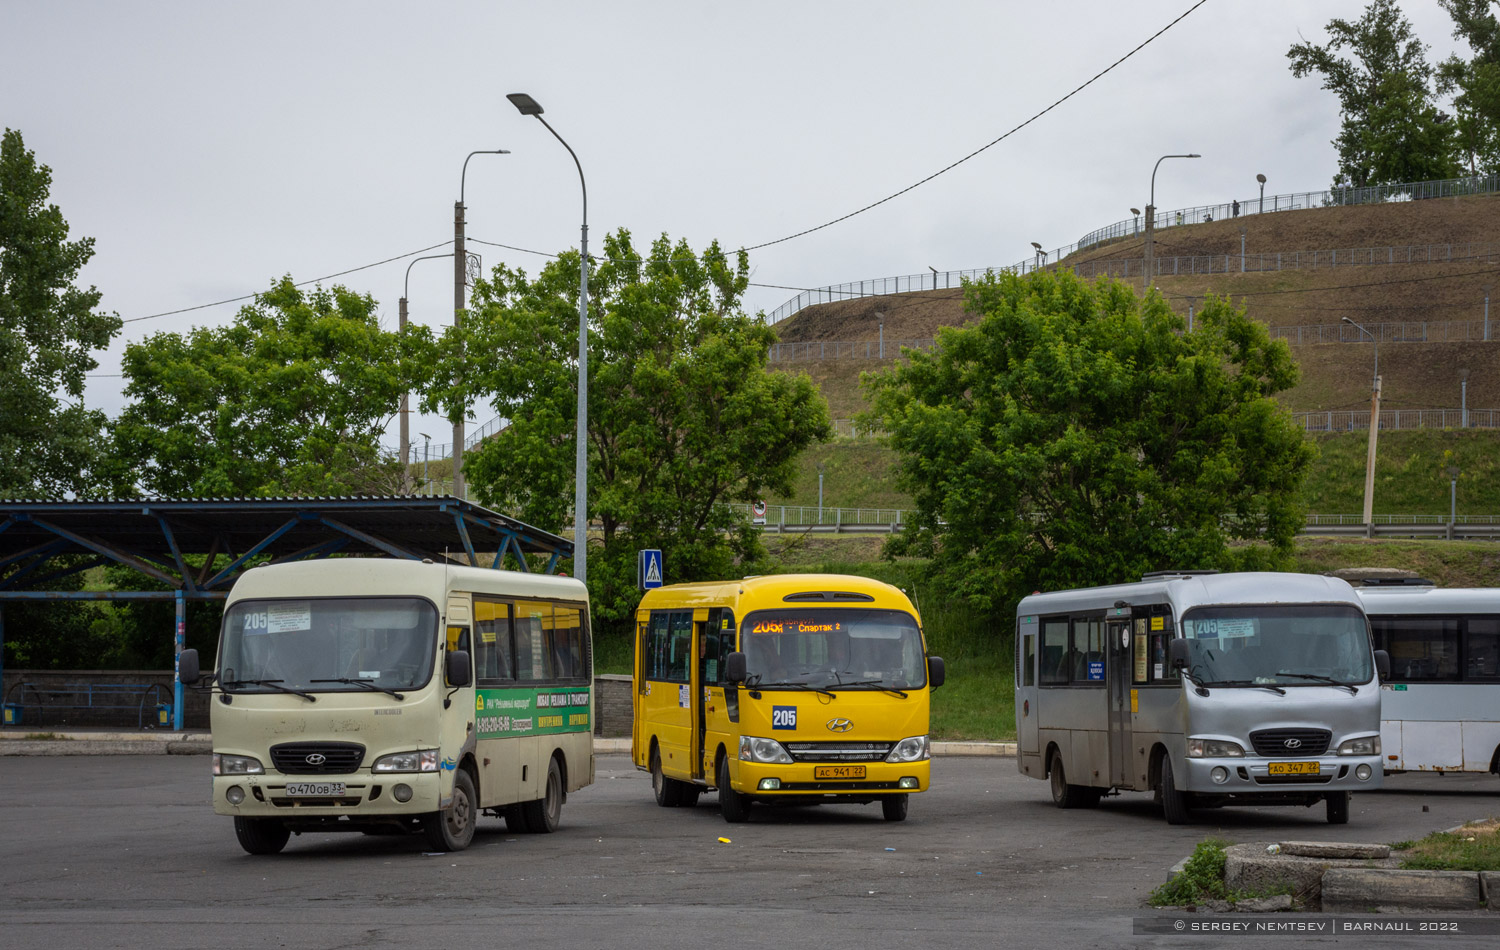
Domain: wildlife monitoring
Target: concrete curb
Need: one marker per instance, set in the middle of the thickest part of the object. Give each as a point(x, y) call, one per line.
point(201, 743)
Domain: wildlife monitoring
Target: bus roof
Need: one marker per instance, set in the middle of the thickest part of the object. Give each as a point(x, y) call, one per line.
point(1429, 600)
point(383, 576)
point(1184, 592)
point(771, 590)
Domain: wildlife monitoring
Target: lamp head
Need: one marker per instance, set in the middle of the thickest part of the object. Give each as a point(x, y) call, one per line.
point(1260, 178)
point(1348, 321)
point(1036, 245)
point(1135, 210)
point(525, 104)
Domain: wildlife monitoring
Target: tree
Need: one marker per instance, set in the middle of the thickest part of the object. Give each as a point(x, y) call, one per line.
point(48, 332)
point(1078, 435)
point(1476, 82)
point(682, 419)
point(1391, 130)
point(292, 398)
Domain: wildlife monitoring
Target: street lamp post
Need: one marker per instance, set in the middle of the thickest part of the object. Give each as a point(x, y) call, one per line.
point(405, 406)
point(934, 276)
point(1453, 495)
point(1037, 256)
point(1374, 426)
point(1136, 212)
point(1151, 213)
point(1262, 180)
point(529, 106)
point(460, 287)
point(1463, 398)
point(1487, 289)
point(880, 316)
point(426, 444)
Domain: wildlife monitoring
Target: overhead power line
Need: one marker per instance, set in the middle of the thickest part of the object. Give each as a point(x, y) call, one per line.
point(1100, 74)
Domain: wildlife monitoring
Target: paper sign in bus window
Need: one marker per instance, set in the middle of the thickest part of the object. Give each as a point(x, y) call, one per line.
point(288, 617)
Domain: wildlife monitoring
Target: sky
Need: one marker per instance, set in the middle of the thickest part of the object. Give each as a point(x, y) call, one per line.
point(210, 148)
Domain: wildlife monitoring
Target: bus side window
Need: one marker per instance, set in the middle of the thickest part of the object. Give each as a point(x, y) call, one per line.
point(1482, 648)
point(569, 648)
point(1028, 659)
point(493, 654)
point(1055, 658)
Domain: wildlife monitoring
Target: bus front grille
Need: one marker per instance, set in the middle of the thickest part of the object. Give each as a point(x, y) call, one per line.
point(838, 751)
point(1290, 743)
point(317, 758)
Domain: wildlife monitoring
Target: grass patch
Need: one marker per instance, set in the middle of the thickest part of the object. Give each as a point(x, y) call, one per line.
point(47, 737)
point(1474, 847)
point(1201, 878)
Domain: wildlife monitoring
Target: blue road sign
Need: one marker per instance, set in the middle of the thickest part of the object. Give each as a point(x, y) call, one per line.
point(648, 569)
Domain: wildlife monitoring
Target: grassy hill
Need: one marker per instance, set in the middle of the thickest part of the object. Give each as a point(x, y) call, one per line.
point(1411, 469)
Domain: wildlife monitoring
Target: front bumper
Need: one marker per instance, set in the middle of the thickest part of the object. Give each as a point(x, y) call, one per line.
point(828, 778)
point(1251, 775)
point(367, 795)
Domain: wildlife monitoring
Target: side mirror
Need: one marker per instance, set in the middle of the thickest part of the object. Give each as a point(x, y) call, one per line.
point(456, 668)
point(188, 671)
point(936, 672)
point(1177, 653)
point(1383, 664)
point(734, 668)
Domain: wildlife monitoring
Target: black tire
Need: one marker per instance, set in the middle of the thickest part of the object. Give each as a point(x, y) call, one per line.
point(545, 814)
point(1174, 801)
point(1065, 795)
point(893, 807)
point(1338, 807)
point(668, 791)
point(690, 794)
point(453, 829)
point(261, 835)
point(732, 805)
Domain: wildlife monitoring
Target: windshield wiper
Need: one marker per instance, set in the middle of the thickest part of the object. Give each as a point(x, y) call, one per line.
point(1319, 677)
point(1272, 687)
point(807, 686)
point(274, 684)
point(877, 684)
point(363, 683)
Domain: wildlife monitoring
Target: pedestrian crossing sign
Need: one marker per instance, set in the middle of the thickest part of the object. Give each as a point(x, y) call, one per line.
point(648, 569)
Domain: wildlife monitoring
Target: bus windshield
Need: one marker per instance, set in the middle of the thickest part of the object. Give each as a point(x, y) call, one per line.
point(1278, 645)
point(833, 647)
point(336, 644)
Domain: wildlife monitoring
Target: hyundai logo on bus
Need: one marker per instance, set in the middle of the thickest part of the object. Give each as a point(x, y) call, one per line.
point(648, 569)
point(1293, 743)
point(317, 758)
point(839, 725)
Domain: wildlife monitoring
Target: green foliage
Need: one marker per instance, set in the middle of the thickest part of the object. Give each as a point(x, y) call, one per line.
point(1474, 847)
point(1391, 129)
point(1078, 435)
point(1475, 82)
point(48, 332)
point(682, 415)
point(292, 398)
point(1201, 878)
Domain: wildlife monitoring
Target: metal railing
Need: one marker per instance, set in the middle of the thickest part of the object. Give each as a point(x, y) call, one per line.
point(1407, 331)
point(1358, 420)
point(843, 350)
point(1131, 227)
point(439, 451)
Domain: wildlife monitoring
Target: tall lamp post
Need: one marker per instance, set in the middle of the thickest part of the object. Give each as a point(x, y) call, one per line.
point(405, 407)
point(1374, 425)
point(1453, 474)
point(1151, 214)
point(460, 288)
point(1262, 179)
point(1136, 212)
point(1463, 398)
point(1037, 257)
point(529, 106)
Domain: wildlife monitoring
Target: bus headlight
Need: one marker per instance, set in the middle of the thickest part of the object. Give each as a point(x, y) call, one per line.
point(913, 749)
point(1364, 745)
point(1214, 749)
point(237, 765)
point(753, 749)
point(407, 762)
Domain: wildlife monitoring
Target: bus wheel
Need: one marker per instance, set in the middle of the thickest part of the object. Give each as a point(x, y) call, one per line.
point(667, 791)
point(1338, 808)
point(732, 805)
point(1174, 802)
point(544, 814)
point(893, 807)
point(261, 835)
point(1069, 796)
point(452, 830)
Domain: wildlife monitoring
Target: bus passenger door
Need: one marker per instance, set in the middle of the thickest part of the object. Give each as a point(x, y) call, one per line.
point(668, 690)
point(1121, 715)
point(1027, 713)
point(714, 723)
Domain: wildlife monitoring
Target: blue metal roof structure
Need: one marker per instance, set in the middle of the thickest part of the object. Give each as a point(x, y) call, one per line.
point(43, 541)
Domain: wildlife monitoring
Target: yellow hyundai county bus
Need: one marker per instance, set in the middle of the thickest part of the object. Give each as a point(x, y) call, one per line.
point(372, 694)
point(792, 689)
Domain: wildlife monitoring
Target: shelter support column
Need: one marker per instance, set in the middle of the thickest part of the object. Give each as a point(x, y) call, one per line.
point(181, 603)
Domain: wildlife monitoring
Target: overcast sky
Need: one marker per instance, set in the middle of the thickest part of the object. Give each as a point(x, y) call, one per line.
point(210, 148)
